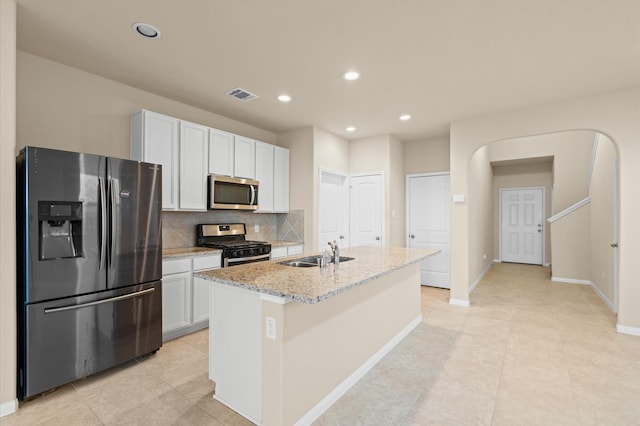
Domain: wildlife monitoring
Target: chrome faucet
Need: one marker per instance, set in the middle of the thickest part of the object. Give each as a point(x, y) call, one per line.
point(336, 251)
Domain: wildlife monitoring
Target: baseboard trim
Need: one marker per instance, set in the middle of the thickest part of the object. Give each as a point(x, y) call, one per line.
point(475, 283)
point(460, 302)
point(625, 329)
point(497, 261)
point(8, 407)
point(326, 402)
point(570, 281)
point(604, 298)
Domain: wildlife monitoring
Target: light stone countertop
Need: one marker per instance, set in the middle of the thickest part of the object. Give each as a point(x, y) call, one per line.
point(312, 285)
point(170, 253)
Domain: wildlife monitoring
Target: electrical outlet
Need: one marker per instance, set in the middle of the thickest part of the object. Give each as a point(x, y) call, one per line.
point(270, 328)
point(484, 257)
point(256, 228)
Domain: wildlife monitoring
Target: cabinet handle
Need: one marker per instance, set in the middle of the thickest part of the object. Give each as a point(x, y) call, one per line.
point(412, 236)
point(378, 238)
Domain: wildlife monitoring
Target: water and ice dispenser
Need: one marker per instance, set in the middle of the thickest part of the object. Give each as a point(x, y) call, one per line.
point(60, 225)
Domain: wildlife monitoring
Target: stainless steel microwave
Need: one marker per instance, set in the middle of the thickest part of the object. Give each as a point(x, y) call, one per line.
point(230, 193)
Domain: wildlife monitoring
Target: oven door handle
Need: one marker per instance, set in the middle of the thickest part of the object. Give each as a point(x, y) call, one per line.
point(227, 261)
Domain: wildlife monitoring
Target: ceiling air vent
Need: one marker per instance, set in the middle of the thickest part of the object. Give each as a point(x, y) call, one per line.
point(241, 94)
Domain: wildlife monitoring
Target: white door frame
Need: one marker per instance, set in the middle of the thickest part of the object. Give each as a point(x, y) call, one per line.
point(382, 207)
point(544, 224)
point(321, 172)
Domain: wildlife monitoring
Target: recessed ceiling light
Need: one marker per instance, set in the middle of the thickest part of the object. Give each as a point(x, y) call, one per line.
point(405, 117)
point(146, 30)
point(351, 75)
point(350, 129)
point(284, 98)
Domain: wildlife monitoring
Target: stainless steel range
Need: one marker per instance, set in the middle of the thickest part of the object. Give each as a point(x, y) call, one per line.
point(231, 239)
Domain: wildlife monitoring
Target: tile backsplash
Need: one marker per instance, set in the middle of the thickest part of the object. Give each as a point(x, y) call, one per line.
point(179, 228)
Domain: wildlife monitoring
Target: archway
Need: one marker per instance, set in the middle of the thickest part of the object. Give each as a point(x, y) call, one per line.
point(578, 169)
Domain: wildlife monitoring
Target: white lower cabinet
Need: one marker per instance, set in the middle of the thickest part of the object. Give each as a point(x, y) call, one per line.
point(176, 295)
point(185, 299)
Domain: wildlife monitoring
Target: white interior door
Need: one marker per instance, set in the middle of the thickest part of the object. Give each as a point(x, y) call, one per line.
point(334, 209)
point(429, 225)
point(366, 214)
point(521, 225)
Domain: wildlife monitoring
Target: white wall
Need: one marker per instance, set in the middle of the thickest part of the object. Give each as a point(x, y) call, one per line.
point(481, 217)
point(614, 114)
point(7, 206)
point(572, 158)
point(602, 219)
point(396, 215)
point(66, 108)
point(427, 156)
point(300, 144)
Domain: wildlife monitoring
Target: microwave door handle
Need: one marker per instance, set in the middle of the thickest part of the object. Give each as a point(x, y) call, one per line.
point(253, 195)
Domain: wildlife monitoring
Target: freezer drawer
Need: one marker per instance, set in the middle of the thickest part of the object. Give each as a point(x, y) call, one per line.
point(68, 339)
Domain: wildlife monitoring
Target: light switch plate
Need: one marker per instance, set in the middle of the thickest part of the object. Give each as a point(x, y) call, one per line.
point(458, 198)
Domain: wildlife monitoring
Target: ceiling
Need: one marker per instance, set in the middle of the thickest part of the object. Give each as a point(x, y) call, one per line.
point(438, 60)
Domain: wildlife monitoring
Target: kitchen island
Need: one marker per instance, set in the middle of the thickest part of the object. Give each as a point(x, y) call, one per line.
point(286, 342)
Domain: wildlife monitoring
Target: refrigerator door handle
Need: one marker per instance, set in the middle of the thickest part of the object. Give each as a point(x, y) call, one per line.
point(99, 302)
point(112, 242)
point(103, 223)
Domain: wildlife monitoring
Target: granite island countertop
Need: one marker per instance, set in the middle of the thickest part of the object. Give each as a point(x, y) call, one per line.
point(312, 285)
point(170, 253)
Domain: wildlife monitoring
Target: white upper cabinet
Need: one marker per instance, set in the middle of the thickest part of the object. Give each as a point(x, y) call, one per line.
point(221, 152)
point(189, 152)
point(264, 174)
point(244, 157)
point(154, 139)
point(280, 179)
point(194, 148)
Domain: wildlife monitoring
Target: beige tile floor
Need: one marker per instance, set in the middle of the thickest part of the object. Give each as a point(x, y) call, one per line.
point(527, 352)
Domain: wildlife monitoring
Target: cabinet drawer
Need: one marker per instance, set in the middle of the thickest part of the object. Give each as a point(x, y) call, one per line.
point(175, 266)
point(206, 262)
point(293, 250)
point(278, 252)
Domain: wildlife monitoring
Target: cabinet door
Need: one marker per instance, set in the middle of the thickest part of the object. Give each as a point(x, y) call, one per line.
point(264, 174)
point(154, 139)
point(221, 148)
point(281, 179)
point(244, 157)
point(176, 301)
point(194, 145)
point(201, 297)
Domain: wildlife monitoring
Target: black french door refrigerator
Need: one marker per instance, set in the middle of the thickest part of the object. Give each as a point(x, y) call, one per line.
point(89, 265)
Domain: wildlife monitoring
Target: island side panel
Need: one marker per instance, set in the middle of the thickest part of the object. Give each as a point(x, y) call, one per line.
point(322, 344)
point(235, 356)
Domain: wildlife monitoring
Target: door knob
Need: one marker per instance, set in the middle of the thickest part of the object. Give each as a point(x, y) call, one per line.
point(378, 238)
point(412, 235)
point(614, 245)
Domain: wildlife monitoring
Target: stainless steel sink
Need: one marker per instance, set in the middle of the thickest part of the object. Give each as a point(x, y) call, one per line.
point(309, 261)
